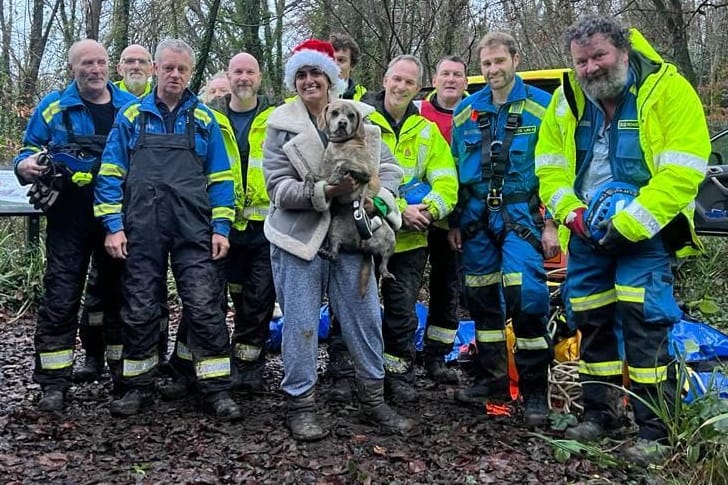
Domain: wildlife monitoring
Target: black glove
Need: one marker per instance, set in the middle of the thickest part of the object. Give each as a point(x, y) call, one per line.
point(42, 195)
point(613, 240)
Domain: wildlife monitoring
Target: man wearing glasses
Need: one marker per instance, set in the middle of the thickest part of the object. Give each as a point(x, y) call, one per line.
point(135, 68)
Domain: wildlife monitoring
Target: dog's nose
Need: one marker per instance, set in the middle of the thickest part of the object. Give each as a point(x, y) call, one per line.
point(342, 123)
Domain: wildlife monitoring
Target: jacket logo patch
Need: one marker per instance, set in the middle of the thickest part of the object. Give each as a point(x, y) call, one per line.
point(525, 130)
point(628, 125)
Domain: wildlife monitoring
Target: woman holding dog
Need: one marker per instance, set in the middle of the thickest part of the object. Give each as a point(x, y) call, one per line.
point(297, 226)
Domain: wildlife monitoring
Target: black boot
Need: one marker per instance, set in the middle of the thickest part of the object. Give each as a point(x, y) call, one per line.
point(90, 370)
point(248, 377)
point(482, 391)
point(377, 412)
point(221, 405)
point(52, 400)
point(302, 419)
point(175, 390)
point(400, 388)
point(438, 371)
point(535, 408)
point(132, 402)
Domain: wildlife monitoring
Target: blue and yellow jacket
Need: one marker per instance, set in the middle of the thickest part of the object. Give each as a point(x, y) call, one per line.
point(209, 146)
point(673, 137)
point(47, 128)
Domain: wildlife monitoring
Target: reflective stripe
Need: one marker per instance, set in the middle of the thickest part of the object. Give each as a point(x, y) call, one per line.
point(490, 336)
point(444, 335)
point(132, 112)
point(95, 319)
point(202, 115)
point(257, 213)
point(477, 281)
point(562, 106)
point(112, 170)
point(437, 200)
point(212, 367)
point(221, 213)
point(648, 375)
point(442, 173)
point(538, 343)
point(550, 160)
point(643, 217)
point(183, 352)
point(60, 359)
point(682, 159)
point(512, 279)
point(630, 294)
point(134, 368)
point(559, 196)
point(603, 369)
point(463, 116)
point(113, 352)
point(106, 209)
point(255, 163)
point(235, 288)
point(534, 108)
point(590, 302)
point(222, 176)
point(248, 353)
point(395, 365)
point(52, 109)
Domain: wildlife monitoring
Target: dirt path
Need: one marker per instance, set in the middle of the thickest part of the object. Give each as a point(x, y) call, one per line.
point(175, 443)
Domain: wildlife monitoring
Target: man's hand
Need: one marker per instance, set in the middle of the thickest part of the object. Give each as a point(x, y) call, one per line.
point(550, 240)
point(347, 184)
point(115, 245)
point(613, 239)
point(455, 239)
point(369, 207)
point(575, 222)
point(416, 217)
point(220, 246)
point(29, 169)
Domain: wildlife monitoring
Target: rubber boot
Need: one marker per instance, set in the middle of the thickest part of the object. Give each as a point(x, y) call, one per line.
point(90, 370)
point(51, 400)
point(377, 412)
point(483, 390)
point(221, 405)
point(535, 408)
point(438, 371)
point(400, 388)
point(341, 390)
point(133, 402)
point(302, 419)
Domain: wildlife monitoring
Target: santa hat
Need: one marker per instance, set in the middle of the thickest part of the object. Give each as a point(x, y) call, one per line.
point(316, 53)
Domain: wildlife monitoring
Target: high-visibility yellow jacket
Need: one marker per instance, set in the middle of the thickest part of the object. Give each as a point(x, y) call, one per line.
point(423, 153)
point(251, 197)
point(674, 139)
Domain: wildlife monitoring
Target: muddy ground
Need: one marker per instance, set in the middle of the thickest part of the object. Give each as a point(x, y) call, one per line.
point(176, 443)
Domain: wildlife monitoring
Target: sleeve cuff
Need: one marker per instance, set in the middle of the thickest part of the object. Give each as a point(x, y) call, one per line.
point(113, 224)
point(221, 227)
point(318, 199)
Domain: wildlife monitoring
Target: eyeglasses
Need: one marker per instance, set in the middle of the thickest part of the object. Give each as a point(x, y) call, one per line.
point(133, 60)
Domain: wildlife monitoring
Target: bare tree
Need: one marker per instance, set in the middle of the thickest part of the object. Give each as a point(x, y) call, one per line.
point(92, 11)
point(36, 47)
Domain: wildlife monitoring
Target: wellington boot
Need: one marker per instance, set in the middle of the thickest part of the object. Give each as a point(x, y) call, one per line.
point(482, 391)
point(536, 409)
point(439, 372)
point(302, 419)
point(52, 400)
point(377, 412)
point(221, 405)
point(342, 390)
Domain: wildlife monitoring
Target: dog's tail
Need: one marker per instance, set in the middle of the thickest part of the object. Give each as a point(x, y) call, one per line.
point(365, 272)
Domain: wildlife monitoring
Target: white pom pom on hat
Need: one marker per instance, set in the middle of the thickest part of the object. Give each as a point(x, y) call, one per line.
point(316, 53)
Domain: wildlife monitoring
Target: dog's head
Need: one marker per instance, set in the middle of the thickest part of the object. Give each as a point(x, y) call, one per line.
point(341, 121)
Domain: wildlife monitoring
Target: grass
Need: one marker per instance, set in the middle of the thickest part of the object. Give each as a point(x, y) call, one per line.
point(21, 269)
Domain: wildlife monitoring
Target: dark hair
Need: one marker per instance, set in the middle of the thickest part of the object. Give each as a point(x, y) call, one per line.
point(345, 41)
point(493, 39)
point(457, 59)
point(589, 25)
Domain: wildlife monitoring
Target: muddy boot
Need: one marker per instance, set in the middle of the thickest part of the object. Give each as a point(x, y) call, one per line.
point(342, 390)
point(221, 405)
point(377, 412)
point(482, 391)
point(52, 400)
point(536, 409)
point(175, 390)
point(302, 419)
point(91, 369)
point(400, 388)
point(248, 377)
point(132, 402)
point(438, 371)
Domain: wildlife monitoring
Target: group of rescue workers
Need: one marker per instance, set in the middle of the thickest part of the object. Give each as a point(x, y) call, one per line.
point(134, 177)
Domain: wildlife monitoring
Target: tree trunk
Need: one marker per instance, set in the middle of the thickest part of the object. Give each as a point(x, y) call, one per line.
point(119, 28)
point(93, 18)
point(205, 47)
point(36, 46)
point(672, 15)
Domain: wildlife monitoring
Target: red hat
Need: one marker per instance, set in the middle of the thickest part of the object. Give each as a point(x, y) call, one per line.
point(318, 53)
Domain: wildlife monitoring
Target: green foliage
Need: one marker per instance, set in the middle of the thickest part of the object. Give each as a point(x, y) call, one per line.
point(702, 283)
point(21, 270)
point(565, 449)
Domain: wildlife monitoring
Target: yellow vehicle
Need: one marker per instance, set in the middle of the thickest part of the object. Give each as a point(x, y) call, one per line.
point(546, 79)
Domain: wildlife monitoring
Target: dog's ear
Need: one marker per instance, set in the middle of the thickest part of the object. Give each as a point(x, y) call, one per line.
point(360, 132)
point(323, 125)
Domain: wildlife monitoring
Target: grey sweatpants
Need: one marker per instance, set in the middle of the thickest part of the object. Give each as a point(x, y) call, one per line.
point(300, 286)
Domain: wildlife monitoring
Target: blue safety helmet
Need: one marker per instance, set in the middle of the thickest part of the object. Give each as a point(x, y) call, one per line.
point(414, 191)
point(72, 157)
point(609, 199)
